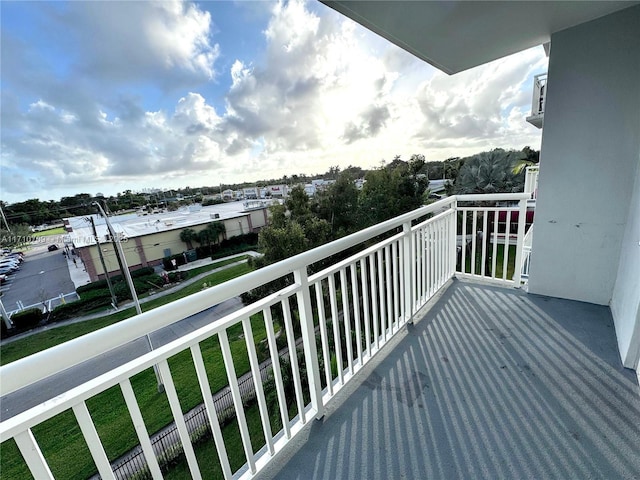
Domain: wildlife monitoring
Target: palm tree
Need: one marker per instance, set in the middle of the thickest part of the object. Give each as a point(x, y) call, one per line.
point(211, 233)
point(188, 235)
point(216, 229)
point(490, 172)
point(530, 158)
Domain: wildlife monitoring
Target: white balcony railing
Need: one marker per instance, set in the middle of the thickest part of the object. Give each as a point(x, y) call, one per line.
point(344, 314)
point(526, 254)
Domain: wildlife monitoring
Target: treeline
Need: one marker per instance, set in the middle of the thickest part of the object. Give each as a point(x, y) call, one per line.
point(36, 212)
point(304, 222)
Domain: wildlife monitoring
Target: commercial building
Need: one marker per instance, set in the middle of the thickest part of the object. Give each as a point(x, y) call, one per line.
point(147, 239)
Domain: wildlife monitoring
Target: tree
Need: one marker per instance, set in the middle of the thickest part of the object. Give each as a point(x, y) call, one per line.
point(490, 172)
point(333, 173)
point(16, 237)
point(216, 229)
point(338, 205)
point(392, 190)
point(529, 158)
point(188, 235)
point(211, 233)
point(278, 243)
point(298, 203)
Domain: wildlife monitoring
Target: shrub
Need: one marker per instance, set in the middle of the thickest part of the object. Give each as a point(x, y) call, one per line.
point(121, 289)
point(4, 331)
point(204, 251)
point(95, 293)
point(28, 318)
point(101, 284)
point(79, 307)
point(144, 284)
point(97, 285)
point(141, 272)
point(176, 276)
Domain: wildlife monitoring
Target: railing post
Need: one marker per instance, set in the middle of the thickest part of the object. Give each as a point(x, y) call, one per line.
point(309, 340)
point(453, 244)
point(522, 214)
point(408, 261)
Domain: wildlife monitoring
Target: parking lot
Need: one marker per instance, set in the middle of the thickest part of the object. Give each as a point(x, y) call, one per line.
point(43, 275)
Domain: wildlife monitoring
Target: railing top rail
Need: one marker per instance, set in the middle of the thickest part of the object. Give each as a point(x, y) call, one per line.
point(29, 370)
point(494, 197)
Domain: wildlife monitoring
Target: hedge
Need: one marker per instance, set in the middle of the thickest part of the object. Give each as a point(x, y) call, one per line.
point(93, 299)
point(228, 246)
point(28, 318)
point(72, 309)
point(100, 284)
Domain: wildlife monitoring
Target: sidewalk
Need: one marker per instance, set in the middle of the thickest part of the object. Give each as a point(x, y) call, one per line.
point(130, 304)
point(77, 271)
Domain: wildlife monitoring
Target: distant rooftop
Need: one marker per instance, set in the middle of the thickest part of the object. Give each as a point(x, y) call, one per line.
point(135, 225)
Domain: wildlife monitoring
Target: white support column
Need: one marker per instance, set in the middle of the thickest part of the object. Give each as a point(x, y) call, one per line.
point(522, 217)
point(141, 429)
point(453, 245)
point(178, 417)
point(309, 341)
point(257, 383)
point(93, 441)
point(277, 371)
point(322, 320)
point(212, 414)
point(33, 455)
point(408, 262)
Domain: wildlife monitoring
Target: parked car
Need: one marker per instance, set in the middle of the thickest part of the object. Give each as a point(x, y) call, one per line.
point(14, 256)
point(52, 247)
point(11, 264)
point(6, 271)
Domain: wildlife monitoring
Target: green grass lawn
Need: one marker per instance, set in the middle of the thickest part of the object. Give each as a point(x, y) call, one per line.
point(49, 338)
point(511, 261)
point(51, 231)
point(70, 459)
point(207, 454)
point(197, 271)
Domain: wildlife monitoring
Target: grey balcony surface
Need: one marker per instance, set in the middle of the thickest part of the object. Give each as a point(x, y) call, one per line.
point(490, 383)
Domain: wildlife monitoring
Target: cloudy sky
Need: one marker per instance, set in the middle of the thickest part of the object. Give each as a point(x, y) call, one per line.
point(109, 96)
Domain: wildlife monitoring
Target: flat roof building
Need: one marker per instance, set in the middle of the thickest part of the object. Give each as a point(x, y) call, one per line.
point(147, 239)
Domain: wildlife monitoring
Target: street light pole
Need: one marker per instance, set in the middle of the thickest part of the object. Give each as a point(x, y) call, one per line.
point(127, 275)
point(114, 300)
point(5, 219)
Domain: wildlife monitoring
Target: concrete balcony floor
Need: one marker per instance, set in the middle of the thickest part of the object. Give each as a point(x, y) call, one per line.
point(490, 383)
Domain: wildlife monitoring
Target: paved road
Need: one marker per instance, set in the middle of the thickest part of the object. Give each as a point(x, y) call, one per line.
point(43, 275)
point(28, 397)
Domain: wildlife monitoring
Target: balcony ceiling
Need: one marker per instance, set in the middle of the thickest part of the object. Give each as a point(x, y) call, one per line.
point(454, 36)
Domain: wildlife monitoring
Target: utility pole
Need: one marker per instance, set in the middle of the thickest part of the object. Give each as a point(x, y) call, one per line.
point(4, 218)
point(114, 299)
point(122, 261)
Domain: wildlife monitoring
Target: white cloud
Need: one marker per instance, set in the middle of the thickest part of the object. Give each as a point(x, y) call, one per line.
point(326, 92)
point(165, 41)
